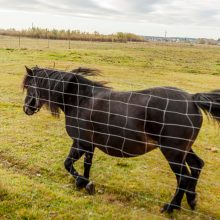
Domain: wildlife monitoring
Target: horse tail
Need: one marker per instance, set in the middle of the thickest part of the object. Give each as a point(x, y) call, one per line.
point(209, 103)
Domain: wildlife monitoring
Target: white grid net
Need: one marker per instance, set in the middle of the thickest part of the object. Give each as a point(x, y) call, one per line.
point(105, 117)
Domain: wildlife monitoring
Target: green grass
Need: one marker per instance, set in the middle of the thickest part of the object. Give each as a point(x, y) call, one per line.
point(34, 183)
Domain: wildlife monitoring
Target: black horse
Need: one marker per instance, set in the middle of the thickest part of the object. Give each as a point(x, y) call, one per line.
point(124, 124)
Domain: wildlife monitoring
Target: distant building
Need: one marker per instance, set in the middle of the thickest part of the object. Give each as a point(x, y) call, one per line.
point(171, 39)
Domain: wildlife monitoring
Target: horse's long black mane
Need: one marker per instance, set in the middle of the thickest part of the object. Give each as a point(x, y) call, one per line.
point(79, 73)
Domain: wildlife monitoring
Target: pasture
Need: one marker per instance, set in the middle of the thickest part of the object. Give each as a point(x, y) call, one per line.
point(33, 181)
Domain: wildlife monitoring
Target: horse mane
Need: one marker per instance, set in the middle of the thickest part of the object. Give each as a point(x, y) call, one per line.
point(84, 71)
point(25, 82)
point(53, 108)
point(80, 71)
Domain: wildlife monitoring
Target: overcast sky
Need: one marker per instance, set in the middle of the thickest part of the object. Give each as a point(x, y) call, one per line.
point(183, 18)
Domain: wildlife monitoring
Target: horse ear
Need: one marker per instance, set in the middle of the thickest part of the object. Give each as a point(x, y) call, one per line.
point(29, 71)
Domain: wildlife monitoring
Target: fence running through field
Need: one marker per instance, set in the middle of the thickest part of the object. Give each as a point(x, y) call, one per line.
point(125, 128)
point(40, 43)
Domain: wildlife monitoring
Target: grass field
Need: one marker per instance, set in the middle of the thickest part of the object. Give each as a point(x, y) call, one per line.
point(33, 181)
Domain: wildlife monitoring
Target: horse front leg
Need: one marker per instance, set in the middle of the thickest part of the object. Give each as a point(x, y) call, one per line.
point(83, 181)
point(75, 154)
point(90, 187)
point(88, 163)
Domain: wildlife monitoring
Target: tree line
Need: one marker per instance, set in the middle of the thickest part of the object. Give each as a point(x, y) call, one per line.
point(55, 34)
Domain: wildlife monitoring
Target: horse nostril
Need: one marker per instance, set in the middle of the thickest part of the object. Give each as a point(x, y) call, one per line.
point(24, 108)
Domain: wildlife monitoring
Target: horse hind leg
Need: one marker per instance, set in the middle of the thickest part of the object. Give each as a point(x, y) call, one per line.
point(176, 159)
point(195, 164)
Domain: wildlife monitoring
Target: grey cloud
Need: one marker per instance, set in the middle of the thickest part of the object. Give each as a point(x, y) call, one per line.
point(57, 6)
point(154, 11)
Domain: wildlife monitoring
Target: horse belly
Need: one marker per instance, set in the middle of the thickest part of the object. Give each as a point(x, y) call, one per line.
point(125, 147)
point(139, 147)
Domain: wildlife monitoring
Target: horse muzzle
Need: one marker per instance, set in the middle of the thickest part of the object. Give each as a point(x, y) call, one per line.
point(29, 111)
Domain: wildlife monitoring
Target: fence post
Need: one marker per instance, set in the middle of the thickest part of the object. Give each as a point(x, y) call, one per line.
point(48, 42)
point(19, 41)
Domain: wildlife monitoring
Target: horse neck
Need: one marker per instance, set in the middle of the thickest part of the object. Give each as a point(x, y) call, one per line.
point(76, 93)
point(65, 96)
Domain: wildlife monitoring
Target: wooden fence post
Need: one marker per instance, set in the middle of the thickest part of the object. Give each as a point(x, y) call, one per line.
point(19, 41)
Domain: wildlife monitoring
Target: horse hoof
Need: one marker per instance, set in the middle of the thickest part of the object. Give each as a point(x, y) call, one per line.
point(192, 204)
point(169, 208)
point(90, 188)
point(192, 200)
point(81, 182)
point(166, 208)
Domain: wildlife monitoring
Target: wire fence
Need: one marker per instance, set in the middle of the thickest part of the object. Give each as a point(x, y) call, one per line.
point(42, 43)
point(35, 43)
